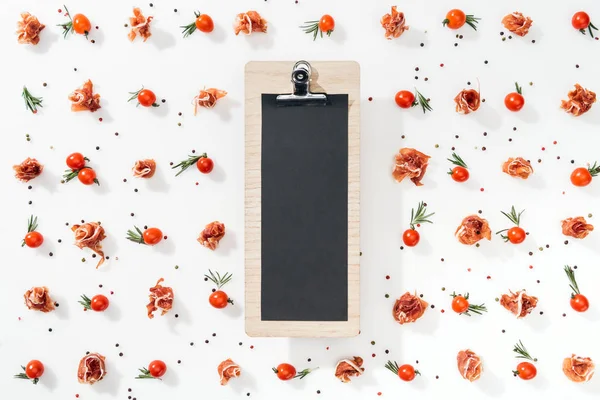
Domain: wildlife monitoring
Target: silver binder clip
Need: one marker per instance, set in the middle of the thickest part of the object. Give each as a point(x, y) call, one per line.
point(302, 95)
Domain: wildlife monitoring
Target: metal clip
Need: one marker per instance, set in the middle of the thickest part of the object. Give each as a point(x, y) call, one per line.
point(302, 95)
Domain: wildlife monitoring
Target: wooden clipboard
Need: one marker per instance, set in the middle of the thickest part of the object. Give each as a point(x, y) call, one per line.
point(341, 77)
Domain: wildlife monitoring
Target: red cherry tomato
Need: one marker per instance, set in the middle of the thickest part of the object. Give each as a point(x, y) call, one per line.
point(327, 23)
point(81, 24)
point(526, 371)
point(580, 20)
point(405, 99)
point(406, 372)
point(460, 304)
point(455, 19)
point(146, 98)
point(285, 372)
point(218, 299)
point(152, 236)
point(581, 177)
point(87, 176)
point(34, 239)
point(580, 303)
point(34, 369)
point(99, 303)
point(157, 368)
point(76, 161)
point(516, 235)
point(205, 165)
point(204, 23)
point(460, 174)
point(410, 237)
point(514, 101)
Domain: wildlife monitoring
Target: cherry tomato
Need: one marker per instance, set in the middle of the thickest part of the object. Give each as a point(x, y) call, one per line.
point(459, 174)
point(455, 19)
point(76, 161)
point(581, 177)
point(460, 304)
point(285, 372)
point(205, 165)
point(157, 368)
point(579, 303)
point(580, 20)
point(410, 237)
point(405, 99)
point(526, 370)
point(87, 176)
point(204, 23)
point(218, 299)
point(406, 372)
point(326, 24)
point(34, 369)
point(99, 303)
point(81, 24)
point(152, 236)
point(34, 239)
point(514, 101)
point(516, 235)
point(146, 98)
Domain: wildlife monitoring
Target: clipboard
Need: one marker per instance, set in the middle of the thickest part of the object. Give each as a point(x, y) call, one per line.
point(302, 199)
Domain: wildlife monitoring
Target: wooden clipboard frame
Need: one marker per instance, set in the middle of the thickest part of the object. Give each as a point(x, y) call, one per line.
point(335, 77)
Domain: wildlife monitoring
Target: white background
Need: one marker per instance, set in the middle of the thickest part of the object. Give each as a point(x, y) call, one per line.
point(176, 69)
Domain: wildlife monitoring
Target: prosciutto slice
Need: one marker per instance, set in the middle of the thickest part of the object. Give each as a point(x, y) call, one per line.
point(467, 101)
point(578, 369)
point(28, 169)
point(161, 297)
point(410, 163)
point(519, 303)
point(576, 227)
point(580, 101)
point(469, 365)
point(207, 98)
point(84, 99)
point(227, 370)
point(211, 235)
point(472, 229)
point(38, 299)
point(90, 235)
point(517, 167)
point(249, 22)
point(517, 23)
point(144, 168)
point(91, 369)
point(408, 308)
point(394, 24)
point(347, 368)
point(28, 29)
point(140, 25)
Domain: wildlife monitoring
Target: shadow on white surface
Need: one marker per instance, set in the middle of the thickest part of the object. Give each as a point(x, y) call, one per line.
point(102, 112)
point(162, 39)
point(411, 38)
point(217, 174)
point(49, 380)
point(110, 383)
point(529, 114)
point(245, 383)
point(227, 244)
point(97, 36)
point(338, 35)
point(47, 38)
point(488, 117)
point(109, 246)
point(183, 315)
point(259, 40)
point(162, 110)
point(166, 247)
point(113, 312)
point(428, 324)
point(592, 314)
point(218, 35)
point(235, 310)
point(490, 384)
point(538, 322)
point(48, 180)
point(171, 379)
point(158, 183)
point(62, 311)
point(224, 108)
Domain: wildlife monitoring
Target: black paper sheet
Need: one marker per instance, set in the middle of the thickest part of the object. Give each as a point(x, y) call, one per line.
point(304, 211)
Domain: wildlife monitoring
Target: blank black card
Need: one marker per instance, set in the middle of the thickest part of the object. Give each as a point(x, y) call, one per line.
point(304, 243)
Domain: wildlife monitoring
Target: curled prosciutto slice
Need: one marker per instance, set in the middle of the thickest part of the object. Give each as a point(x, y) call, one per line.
point(580, 101)
point(207, 98)
point(28, 29)
point(394, 24)
point(469, 365)
point(144, 168)
point(576, 227)
point(517, 167)
point(212, 234)
point(28, 169)
point(90, 235)
point(472, 229)
point(467, 101)
point(410, 163)
point(578, 369)
point(349, 367)
point(91, 369)
point(519, 303)
point(408, 308)
point(84, 99)
point(249, 22)
point(227, 370)
point(140, 25)
point(38, 299)
point(161, 297)
point(517, 23)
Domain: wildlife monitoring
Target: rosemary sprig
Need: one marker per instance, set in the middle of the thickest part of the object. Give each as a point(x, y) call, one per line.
point(313, 27)
point(474, 308)
point(519, 88)
point(136, 237)
point(68, 26)
point(145, 374)
point(23, 375)
point(590, 27)
point(219, 280)
point(393, 367)
point(472, 21)
point(71, 174)
point(419, 217)
point(190, 28)
point(456, 160)
point(31, 102)
point(573, 283)
point(514, 218)
point(134, 96)
point(594, 170)
point(422, 101)
point(300, 374)
point(32, 225)
point(522, 352)
point(86, 302)
point(185, 164)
